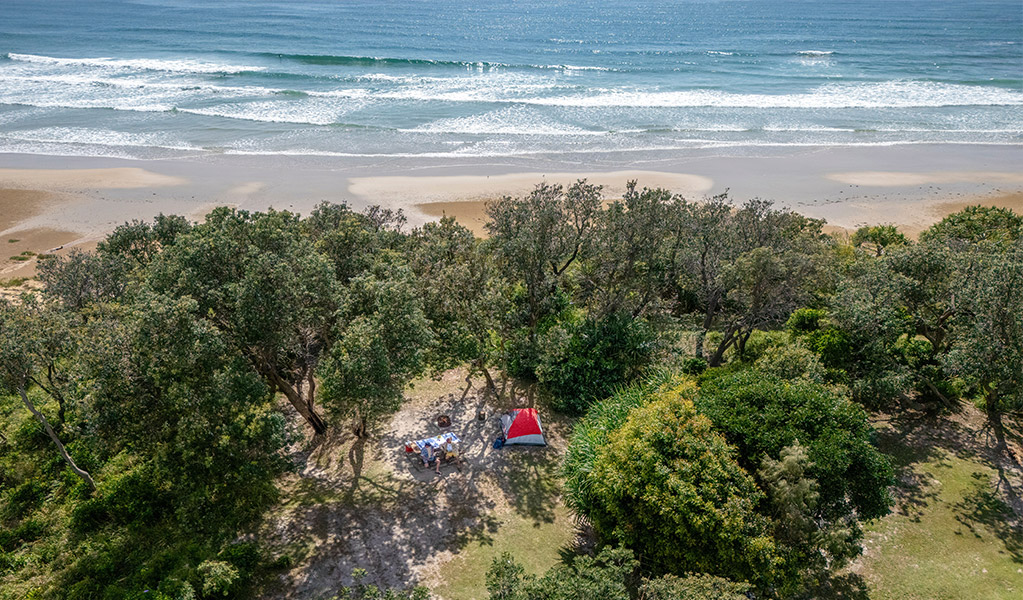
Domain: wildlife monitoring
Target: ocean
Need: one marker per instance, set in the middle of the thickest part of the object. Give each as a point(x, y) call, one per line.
point(453, 78)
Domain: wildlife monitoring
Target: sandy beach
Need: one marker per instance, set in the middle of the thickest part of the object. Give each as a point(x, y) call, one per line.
point(64, 202)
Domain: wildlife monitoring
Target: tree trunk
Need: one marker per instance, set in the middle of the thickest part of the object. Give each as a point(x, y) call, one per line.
point(304, 406)
point(482, 366)
point(53, 436)
point(726, 341)
point(359, 424)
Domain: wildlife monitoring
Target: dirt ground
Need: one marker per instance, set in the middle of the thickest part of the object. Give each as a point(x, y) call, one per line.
point(363, 504)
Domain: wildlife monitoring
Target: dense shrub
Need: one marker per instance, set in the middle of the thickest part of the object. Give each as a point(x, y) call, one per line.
point(761, 414)
point(666, 486)
point(581, 363)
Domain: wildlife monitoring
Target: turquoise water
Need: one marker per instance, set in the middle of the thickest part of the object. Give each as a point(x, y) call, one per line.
point(437, 78)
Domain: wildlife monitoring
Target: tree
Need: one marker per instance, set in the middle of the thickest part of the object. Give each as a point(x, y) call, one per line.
point(694, 587)
point(536, 240)
point(140, 242)
point(668, 487)
point(81, 279)
point(624, 266)
point(761, 415)
point(466, 297)
point(382, 336)
point(764, 287)
point(610, 575)
point(737, 268)
point(985, 347)
point(31, 345)
point(606, 576)
point(813, 548)
point(258, 279)
point(880, 237)
point(581, 362)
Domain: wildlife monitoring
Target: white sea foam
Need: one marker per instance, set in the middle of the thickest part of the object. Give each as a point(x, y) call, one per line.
point(815, 52)
point(98, 137)
point(510, 121)
point(142, 64)
point(891, 94)
point(303, 112)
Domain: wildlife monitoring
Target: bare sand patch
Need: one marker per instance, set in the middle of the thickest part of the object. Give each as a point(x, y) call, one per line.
point(907, 178)
point(79, 179)
point(407, 190)
point(472, 214)
point(18, 205)
point(20, 249)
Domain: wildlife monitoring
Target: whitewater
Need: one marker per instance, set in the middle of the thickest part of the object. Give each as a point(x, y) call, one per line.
point(161, 79)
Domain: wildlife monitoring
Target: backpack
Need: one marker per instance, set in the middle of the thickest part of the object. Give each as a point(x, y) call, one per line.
point(498, 443)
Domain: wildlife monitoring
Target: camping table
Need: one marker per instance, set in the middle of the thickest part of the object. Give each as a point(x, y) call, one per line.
point(437, 442)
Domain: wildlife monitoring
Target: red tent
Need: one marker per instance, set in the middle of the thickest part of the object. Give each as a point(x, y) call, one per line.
point(522, 426)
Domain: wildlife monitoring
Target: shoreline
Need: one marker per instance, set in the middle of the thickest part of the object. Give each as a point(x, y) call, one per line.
point(84, 198)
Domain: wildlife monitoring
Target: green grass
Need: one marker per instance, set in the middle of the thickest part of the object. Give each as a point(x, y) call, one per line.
point(13, 282)
point(13, 241)
point(535, 545)
point(948, 539)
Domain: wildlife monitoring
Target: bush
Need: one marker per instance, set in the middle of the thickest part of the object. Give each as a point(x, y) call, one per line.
point(805, 320)
point(89, 515)
point(694, 587)
point(582, 363)
point(666, 486)
point(28, 531)
point(693, 365)
point(761, 414)
point(23, 498)
point(133, 499)
point(217, 577)
point(792, 361)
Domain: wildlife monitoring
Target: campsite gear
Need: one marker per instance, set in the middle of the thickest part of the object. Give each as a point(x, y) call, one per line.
point(499, 443)
point(522, 426)
point(443, 421)
point(414, 448)
point(481, 416)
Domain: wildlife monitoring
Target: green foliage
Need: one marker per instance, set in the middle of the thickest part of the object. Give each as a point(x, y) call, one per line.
point(218, 577)
point(669, 488)
point(974, 225)
point(805, 320)
point(592, 431)
point(363, 591)
point(583, 362)
point(762, 414)
point(694, 365)
point(791, 361)
point(606, 576)
point(140, 242)
point(666, 486)
point(812, 547)
point(694, 587)
point(880, 237)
